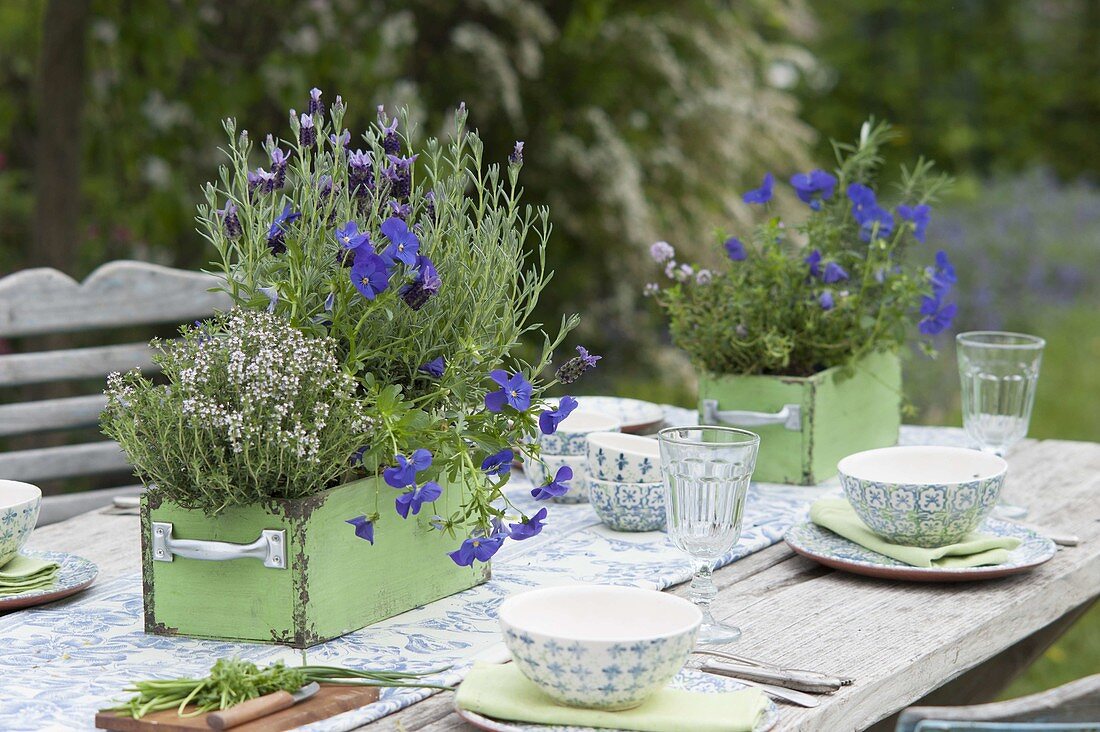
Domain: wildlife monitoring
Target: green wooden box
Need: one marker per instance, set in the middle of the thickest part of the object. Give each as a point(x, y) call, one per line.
point(814, 421)
point(322, 582)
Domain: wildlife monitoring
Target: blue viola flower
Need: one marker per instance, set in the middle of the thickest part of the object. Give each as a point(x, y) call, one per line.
point(867, 213)
point(515, 392)
point(433, 368)
point(834, 273)
point(814, 187)
point(369, 273)
point(556, 487)
point(411, 501)
point(735, 250)
point(364, 529)
point(531, 526)
point(404, 245)
point(349, 239)
point(404, 475)
point(499, 463)
point(813, 259)
point(918, 216)
point(826, 300)
point(763, 194)
point(937, 316)
point(551, 418)
point(478, 548)
point(427, 283)
point(942, 275)
point(276, 233)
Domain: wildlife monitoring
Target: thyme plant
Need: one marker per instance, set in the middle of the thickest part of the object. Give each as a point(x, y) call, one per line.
point(796, 299)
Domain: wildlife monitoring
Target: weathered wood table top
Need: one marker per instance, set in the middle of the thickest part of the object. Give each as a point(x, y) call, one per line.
point(899, 640)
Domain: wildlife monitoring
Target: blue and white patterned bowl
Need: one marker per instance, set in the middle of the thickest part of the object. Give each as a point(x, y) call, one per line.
point(628, 506)
point(598, 646)
point(19, 503)
point(571, 437)
point(624, 458)
point(539, 473)
point(922, 495)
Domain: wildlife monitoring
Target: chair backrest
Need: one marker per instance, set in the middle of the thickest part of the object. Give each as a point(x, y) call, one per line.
point(38, 302)
point(1074, 707)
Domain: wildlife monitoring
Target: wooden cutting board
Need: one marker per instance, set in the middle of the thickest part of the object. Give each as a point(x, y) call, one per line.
point(331, 700)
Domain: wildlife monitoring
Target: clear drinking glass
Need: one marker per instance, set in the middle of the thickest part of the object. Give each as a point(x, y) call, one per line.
point(706, 472)
point(999, 372)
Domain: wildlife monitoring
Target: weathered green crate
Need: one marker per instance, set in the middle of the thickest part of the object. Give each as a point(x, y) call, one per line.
point(333, 582)
point(838, 416)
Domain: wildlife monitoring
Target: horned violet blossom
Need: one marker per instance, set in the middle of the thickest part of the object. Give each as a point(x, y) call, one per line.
point(364, 527)
point(814, 187)
point(763, 194)
point(554, 487)
point(514, 391)
point(404, 245)
point(369, 273)
point(499, 463)
point(479, 548)
point(918, 216)
point(417, 293)
point(276, 233)
point(433, 368)
point(404, 474)
point(551, 418)
point(411, 501)
point(530, 526)
point(735, 250)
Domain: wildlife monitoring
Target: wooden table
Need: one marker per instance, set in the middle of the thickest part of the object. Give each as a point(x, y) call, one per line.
point(901, 641)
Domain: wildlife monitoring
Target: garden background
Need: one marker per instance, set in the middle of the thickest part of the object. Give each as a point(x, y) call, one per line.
point(643, 120)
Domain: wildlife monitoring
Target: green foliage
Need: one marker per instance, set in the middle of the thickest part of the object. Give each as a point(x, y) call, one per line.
point(252, 409)
point(766, 314)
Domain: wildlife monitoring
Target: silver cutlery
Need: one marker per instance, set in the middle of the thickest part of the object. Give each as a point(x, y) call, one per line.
point(813, 682)
point(791, 695)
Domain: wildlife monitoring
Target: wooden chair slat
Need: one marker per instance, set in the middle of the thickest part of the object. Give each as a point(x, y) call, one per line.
point(50, 414)
point(69, 364)
point(122, 293)
point(67, 505)
point(51, 463)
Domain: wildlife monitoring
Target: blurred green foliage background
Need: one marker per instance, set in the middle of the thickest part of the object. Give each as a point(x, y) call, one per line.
point(643, 120)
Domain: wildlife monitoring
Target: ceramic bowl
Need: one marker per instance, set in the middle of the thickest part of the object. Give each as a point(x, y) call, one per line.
point(628, 506)
point(624, 458)
point(19, 503)
point(598, 646)
point(578, 487)
point(922, 496)
point(571, 437)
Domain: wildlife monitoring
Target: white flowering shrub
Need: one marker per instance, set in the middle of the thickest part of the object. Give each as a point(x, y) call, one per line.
point(253, 409)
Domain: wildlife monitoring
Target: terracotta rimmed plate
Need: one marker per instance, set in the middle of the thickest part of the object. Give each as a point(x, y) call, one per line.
point(76, 574)
point(825, 547)
point(635, 416)
point(688, 680)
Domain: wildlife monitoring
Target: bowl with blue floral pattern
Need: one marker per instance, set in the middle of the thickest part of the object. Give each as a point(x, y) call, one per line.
point(923, 496)
point(628, 506)
point(571, 435)
point(624, 458)
point(599, 646)
point(19, 503)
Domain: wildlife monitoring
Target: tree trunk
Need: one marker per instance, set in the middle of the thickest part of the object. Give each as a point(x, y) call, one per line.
point(59, 96)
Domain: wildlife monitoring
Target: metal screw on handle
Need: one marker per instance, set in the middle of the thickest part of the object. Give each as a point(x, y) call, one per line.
point(790, 416)
point(270, 547)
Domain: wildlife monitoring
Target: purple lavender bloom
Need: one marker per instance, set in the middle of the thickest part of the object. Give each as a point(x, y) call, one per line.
point(556, 487)
point(276, 233)
point(942, 275)
point(278, 166)
point(429, 207)
point(937, 316)
point(417, 293)
point(826, 300)
point(516, 156)
point(399, 175)
point(417, 497)
point(478, 548)
point(404, 245)
point(325, 186)
point(316, 107)
point(530, 526)
point(813, 259)
point(361, 173)
point(576, 367)
point(261, 181)
point(272, 297)
point(814, 187)
point(370, 274)
point(661, 251)
point(433, 368)
point(918, 216)
point(342, 141)
point(515, 392)
point(834, 273)
point(735, 249)
point(307, 133)
point(364, 529)
point(391, 143)
point(349, 239)
point(551, 418)
point(763, 194)
point(230, 221)
point(404, 475)
point(401, 210)
point(499, 463)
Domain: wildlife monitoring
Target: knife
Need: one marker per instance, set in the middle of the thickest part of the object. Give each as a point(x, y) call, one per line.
point(261, 706)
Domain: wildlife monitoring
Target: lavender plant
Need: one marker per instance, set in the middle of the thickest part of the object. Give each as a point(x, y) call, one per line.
point(794, 300)
point(424, 269)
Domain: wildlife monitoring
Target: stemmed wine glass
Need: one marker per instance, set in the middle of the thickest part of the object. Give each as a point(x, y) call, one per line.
point(998, 372)
point(706, 472)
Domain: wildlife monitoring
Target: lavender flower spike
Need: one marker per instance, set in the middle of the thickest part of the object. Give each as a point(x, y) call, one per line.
point(575, 367)
point(316, 106)
point(516, 157)
point(307, 135)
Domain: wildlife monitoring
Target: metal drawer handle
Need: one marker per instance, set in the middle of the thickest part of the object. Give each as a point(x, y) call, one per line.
point(790, 416)
point(270, 547)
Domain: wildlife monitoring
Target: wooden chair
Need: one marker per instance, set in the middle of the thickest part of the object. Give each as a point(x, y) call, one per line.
point(1074, 707)
point(38, 302)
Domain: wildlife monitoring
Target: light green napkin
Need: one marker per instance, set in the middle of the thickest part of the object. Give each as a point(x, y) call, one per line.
point(503, 692)
point(975, 550)
point(24, 574)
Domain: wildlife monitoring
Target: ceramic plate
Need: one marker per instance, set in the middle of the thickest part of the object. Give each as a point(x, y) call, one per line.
point(635, 415)
point(76, 574)
point(689, 680)
point(822, 545)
